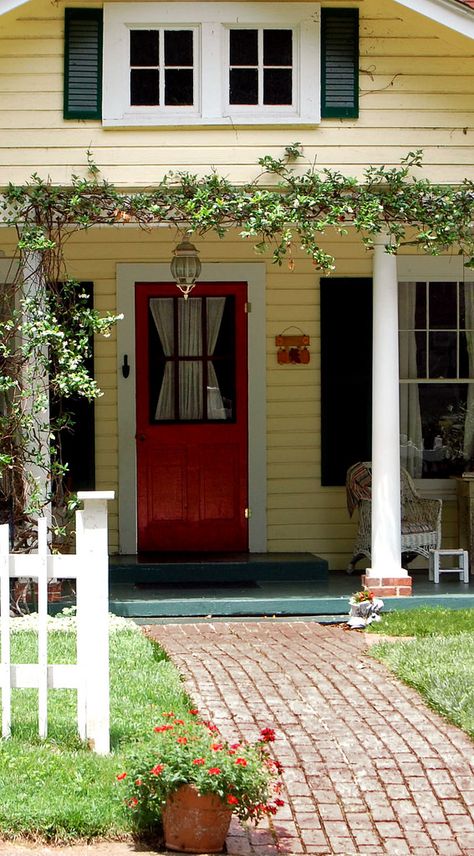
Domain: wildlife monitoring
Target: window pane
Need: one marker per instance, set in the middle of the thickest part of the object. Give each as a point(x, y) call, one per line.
point(447, 433)
point(466, 306)
point(144, 86)
point(412, 354)
point(178, 47)
point(144, 47)
point(443, 306)
point(277, 47)
point(277, 86)
point(442, 355)
point(179, 87)
point(243, 86)
point(243, 47)
point(421, 320)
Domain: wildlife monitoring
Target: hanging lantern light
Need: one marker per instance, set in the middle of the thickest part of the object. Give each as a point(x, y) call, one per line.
point(185, 266)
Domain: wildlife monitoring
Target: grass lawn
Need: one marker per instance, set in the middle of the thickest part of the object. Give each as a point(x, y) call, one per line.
point(56, 789)
point(439, 662)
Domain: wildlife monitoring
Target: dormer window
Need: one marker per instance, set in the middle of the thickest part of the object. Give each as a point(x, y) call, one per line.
point(210, 64)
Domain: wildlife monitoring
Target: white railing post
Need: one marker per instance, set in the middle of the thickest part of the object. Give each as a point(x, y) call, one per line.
point(93, 623)
point(5, 628)
point(42, 626)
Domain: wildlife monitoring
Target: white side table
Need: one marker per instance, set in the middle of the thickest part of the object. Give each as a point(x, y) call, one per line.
point(435, 568)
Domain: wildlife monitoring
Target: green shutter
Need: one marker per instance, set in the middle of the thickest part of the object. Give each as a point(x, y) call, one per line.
point(83, 64)
point(346, 376)
point(339, 63)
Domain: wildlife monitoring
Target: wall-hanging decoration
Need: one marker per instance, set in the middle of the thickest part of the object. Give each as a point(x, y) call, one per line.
point(292, 348)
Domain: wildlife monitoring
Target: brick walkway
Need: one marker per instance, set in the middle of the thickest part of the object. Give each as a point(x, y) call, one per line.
point(368, 768)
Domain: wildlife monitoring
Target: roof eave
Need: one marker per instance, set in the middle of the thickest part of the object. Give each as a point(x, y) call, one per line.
point(450, 13)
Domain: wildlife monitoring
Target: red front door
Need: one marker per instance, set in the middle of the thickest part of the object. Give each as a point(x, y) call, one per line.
point(191, 365)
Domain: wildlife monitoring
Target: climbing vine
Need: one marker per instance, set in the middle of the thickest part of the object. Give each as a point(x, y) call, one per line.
point(46, 323)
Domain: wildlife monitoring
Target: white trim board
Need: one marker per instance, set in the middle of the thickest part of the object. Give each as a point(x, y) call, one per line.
point(254, 275)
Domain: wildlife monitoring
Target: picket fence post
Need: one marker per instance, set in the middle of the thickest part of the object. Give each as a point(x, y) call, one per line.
point(90, 674)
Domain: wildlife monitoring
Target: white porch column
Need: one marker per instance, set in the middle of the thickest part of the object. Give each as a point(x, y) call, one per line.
point(386, 572)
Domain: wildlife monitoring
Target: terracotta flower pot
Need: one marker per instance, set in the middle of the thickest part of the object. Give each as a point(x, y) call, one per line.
point(195, 823)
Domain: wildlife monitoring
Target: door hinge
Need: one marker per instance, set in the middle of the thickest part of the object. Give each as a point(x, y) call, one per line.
point(248, 513)
point(248, 307)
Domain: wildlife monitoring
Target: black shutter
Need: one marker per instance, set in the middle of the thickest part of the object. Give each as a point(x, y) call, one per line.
point(339, 63)
point(78, 443)
point(83, 64)
point(346, 376)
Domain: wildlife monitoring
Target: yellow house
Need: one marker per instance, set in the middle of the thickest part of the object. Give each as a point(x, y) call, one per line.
point(214, 436)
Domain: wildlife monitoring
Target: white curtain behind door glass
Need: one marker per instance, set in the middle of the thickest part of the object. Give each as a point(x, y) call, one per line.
point(190, 344)
point(469, 421)
point(411, 438)
point(215, 404)
point(161, 309)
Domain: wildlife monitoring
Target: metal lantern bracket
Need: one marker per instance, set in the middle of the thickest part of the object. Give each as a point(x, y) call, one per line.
point(293, 348)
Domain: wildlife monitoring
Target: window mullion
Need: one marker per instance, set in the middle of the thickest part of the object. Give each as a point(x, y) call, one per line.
point(161, 65)
point(260, 66)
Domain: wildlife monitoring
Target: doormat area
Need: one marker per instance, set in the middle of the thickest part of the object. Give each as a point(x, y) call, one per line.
point(205, 585)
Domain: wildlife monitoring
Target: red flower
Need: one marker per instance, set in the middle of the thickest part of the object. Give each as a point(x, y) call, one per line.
point(182, 740)
point(159, 728)
point(241, 761)
point(217, 746)
point(138, 782)
point(157, 769)
point(231, 800)
point(194, 711)
point(267, 735)
point(214, 771)
point(278, 766)
point(121, 776)
point(133, 802)
point(170, 713)
point(179, 722)
point(235, 745)
point(199, 762)
point(279, 802)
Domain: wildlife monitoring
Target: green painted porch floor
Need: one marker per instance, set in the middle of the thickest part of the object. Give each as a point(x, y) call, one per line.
point(273, 597)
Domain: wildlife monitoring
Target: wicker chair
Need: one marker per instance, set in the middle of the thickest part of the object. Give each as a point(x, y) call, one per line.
point(421, 518)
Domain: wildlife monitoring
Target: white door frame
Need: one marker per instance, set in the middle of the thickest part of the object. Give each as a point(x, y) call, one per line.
point(254, 275)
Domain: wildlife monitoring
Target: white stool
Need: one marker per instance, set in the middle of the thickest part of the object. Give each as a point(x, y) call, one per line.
point(462, 569)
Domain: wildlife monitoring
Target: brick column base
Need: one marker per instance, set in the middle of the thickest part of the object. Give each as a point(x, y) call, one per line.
point(388, 586)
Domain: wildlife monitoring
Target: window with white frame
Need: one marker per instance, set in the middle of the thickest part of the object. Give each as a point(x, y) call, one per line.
point(210, 63)
point(436, 321)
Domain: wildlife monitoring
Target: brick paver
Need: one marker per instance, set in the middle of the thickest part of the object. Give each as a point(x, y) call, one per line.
point(369, 769)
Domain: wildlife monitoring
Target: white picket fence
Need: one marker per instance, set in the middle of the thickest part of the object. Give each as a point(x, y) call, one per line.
point(90, 674)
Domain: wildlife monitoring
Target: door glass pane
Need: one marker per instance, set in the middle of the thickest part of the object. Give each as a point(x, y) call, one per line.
point(190, 390)
point(223, 362)
point(187, 383)
point(161, 372)
point(190, 327)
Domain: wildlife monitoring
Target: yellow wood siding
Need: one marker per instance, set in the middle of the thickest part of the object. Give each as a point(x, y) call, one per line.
point(417, 85)
point(416, 81)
